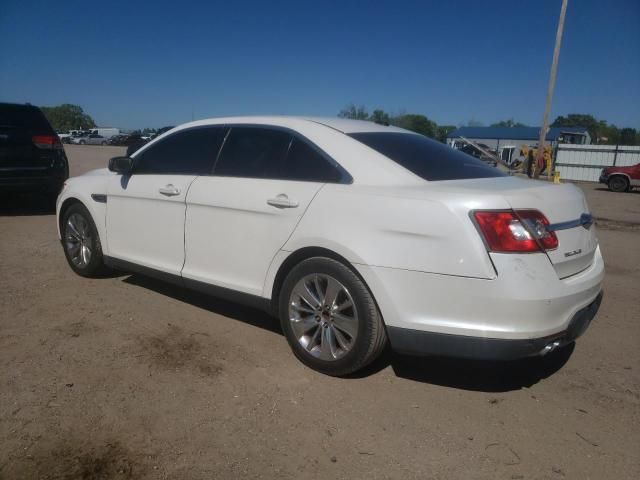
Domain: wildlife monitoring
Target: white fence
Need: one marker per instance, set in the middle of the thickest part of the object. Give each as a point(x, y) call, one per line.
point(584, 162)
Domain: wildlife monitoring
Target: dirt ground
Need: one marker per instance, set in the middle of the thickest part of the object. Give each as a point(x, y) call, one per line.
point(125, 377)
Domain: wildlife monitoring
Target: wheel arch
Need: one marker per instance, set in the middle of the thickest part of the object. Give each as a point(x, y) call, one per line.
point(66, 204)
point(623, 175)
point(96, 209)
point(304, 253)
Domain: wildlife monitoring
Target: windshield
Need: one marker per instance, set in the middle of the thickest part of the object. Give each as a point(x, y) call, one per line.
point(427, 158)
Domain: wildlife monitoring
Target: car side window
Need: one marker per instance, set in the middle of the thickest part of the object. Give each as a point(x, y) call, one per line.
point(305, 163)
point(270, 153)
point(187, 152)
point(251, 152)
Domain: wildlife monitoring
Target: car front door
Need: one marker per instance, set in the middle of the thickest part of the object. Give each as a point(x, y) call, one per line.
point(239, 218)
point(146, 209)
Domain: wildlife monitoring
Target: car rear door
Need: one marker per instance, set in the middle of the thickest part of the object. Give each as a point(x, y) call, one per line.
point(146, 210)
point(239, 218)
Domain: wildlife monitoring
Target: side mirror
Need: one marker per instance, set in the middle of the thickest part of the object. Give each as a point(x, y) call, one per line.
point(121, 165)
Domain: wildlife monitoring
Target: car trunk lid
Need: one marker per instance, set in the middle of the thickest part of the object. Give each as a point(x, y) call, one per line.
point(566, 209)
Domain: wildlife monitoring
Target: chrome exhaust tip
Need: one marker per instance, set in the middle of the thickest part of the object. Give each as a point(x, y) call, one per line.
point(550, 348)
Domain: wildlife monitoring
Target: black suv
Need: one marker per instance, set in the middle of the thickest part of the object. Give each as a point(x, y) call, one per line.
point(31, 155)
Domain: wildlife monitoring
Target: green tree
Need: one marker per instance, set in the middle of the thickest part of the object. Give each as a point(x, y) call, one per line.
point(597, 129)
point(381, 117)
point(508, 123)
point(628, 136)
point(416, 123)
point(443, 131)
point(68, 117)
point(354, 112)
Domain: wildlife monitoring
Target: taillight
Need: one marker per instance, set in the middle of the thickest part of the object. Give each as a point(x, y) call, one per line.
point(515, 231)
point(47, 141)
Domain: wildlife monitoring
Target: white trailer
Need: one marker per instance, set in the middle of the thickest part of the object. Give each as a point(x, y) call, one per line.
point(105, 132)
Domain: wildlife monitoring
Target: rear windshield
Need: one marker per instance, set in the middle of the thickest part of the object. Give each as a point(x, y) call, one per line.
point(23, 116)
point(427, 158)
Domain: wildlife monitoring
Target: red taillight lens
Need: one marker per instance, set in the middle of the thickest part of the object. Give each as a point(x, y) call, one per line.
point(520, 231)
point(537, 223)
point(47, 141)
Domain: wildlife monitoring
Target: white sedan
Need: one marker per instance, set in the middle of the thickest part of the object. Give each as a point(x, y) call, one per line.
point(354, 234)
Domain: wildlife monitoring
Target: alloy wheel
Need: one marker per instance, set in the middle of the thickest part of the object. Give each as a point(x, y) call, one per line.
point(78, 240)
point(323, 316)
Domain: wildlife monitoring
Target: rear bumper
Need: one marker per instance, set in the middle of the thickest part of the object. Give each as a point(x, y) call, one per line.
point(51, 183)
point(416, 342)
point(517, 313)
point(603, 179)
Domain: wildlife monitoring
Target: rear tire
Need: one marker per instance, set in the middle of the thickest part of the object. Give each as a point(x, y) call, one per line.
point(329, 317)
point(103, 143)
point(618, 183)
point(81, 243)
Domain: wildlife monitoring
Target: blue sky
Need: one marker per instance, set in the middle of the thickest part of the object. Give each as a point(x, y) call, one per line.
point(138, 63)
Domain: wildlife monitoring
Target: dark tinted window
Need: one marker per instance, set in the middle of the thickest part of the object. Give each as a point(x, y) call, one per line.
point(252, 152)
point(305, 163)
point(23, 116)
point(188, 152)
point(427, 158)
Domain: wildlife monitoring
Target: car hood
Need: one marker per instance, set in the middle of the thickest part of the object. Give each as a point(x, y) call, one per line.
point(97, 172)
point(618, 169)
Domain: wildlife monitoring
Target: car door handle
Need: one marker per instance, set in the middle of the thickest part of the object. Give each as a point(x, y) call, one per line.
point(282, 201)
point(169, 190)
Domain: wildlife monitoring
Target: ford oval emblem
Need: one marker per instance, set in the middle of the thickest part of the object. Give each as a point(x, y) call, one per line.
point(586, 220)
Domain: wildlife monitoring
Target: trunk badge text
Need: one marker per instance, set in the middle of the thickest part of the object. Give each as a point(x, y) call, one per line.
point(574, 252)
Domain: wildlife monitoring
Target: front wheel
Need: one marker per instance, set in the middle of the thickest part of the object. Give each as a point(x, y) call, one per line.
point(82, 142)
point(81, 243)
point(103, 143)
point(618, 183)
point(330, 318)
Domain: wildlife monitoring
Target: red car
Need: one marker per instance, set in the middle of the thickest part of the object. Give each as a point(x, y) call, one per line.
point(621, 179)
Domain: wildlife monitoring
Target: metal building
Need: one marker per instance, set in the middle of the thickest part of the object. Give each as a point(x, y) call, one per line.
point(506, 141)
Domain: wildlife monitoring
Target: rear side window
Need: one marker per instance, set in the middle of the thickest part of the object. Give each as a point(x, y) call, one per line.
point(305, 163)
point(188, 152)
point(24, 117)
point(427, 158)
point(252, 152)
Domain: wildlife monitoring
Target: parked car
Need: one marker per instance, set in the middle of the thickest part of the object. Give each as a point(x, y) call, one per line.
point(116, 139)
point(65, 137)
point(621, 179)
point(354, 234)
point(32, 157)
point(133, 143)
point(91, 139)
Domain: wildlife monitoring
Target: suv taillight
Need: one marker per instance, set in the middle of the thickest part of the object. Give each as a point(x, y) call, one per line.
point(515, 231)
point(50, 142)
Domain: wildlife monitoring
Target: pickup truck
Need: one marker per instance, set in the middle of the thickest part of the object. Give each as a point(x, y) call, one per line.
point(621, 179)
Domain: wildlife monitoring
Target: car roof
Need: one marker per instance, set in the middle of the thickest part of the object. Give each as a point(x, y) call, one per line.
point(343, 125)
point(346, 125)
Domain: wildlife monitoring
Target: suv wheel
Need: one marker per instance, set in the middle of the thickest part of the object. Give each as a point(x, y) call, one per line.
point(618, 183)
point(81, 242)
point(329, 317)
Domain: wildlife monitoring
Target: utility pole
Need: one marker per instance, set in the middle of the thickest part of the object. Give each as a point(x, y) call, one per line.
point(552, 83)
